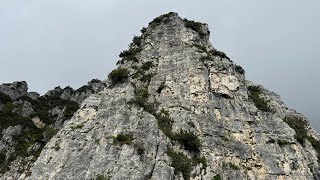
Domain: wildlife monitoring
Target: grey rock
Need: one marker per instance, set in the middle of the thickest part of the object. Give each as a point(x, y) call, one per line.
point(206, 96)
point(15, 90)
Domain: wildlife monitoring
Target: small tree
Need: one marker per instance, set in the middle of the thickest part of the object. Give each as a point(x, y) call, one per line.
point(189, 140)
point(119, 75)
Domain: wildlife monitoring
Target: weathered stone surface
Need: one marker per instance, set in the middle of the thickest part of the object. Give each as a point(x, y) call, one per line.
point(200, 90)
point(15, 90)
point(25, 127)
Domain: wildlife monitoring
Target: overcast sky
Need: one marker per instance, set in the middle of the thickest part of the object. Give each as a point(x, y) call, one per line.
point(69, 42)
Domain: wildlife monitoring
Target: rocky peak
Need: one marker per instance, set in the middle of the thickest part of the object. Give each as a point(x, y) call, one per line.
point(15, 90)
point(28, 121)
point(176, 108)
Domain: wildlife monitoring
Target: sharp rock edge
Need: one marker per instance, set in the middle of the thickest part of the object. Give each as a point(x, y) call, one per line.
point(176, 108)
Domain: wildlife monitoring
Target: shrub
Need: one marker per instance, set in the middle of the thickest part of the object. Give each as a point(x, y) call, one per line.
point(260, 103)
point(219, 53)
point(200, 48)
point(84, 88)
point(146, 78)
point(122, 139)
point(197, 160)
point(282, 142)
point(130, 54)
point(78, 126)
point(4, 98)
point(157, 21)
point(141, 96)
point(137, 40)
point(233, 166)
point(71, 108)
point(163, 120)
point(205, 58)
point(68, 88)
point(165, 124)
point(216, 177)
point(196, 26)
point(143, 30)
point(102, 177)
point(189, 140)
point(140, 151)
point(271, 141)
point(119, 75)
point(26, 98)
point(181, 163)
point(147, 65)
point(299, 125)
point(239, 69)
point(49, 132)
point(95, 81)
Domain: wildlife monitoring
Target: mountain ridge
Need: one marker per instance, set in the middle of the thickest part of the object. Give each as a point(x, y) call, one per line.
point(178, 108)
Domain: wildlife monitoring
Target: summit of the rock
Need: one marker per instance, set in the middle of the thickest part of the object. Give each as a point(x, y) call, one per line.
point(177, 108)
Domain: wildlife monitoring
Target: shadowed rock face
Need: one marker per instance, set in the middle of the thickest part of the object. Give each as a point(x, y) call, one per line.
point(178, 108)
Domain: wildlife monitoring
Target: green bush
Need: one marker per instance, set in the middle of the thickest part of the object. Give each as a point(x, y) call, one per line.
point(143, 30)
point(4, 98)
point(146, 78)
point(45, 103)
point(165, 124)
point(205, 58)
point(197, 160)
point(233, 166)
point(68, 88)
point(26, 98)
point(95, 81)
point(84, 88)
point(158, 20)
point(122, 139)
point(200, 48)
point(71, 108)
point(216, 177)
point(141, 97)
point(196, 26)
point(180, 163)
point(260, 103)
point(140, 151)
point(239, 69)
point(137, 40)
point(219, 53)
point(119, 75)
point(49, 132)
point(299, 125)
point(147, 65)
point(282, 142)
point(78, 126)
point(163, 120)
point(130, 54)
point(102, 177)
point(189, 140)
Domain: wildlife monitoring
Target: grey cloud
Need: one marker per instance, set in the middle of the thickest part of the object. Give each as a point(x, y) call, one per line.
point(51, 43)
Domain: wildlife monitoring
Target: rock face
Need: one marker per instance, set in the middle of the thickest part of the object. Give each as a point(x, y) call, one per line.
point(28, 121)
point(176, 108)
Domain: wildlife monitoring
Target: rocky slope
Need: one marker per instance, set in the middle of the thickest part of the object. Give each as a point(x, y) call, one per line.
point(28, 121)
point(176, 108)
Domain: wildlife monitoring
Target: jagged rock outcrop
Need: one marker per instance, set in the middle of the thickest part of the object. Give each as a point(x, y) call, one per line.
point(176, 108)
point(28, 121)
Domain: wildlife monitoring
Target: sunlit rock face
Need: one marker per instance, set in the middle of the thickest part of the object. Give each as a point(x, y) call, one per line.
point(176, 108)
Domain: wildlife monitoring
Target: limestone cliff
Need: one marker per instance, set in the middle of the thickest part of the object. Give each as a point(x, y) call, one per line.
point(28, 121)
point(176, 108)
